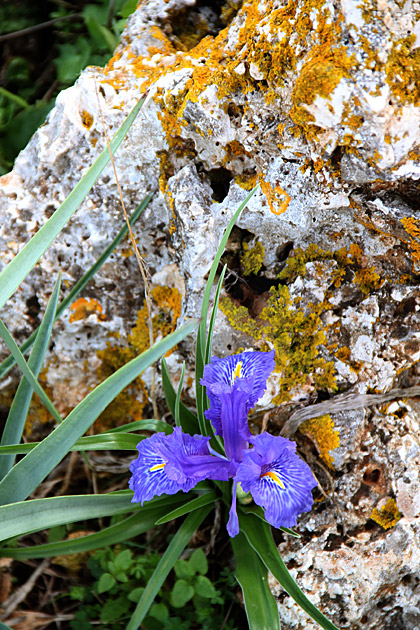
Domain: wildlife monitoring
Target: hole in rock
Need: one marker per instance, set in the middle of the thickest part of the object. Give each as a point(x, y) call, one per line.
point(283, 251)
point(32, 307)
point(372, 476)
point(220, 179)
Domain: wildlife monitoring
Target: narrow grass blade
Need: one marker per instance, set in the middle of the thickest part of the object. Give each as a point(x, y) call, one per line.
point(27, 372)
point(144, 425)
point(178, 397)
point(25, 476)
point(202, 329)
point(166, 563)
point(18, 411)
point(142, 521)
point(8, 363)
point(102, 442)
point(259, 537)
point(189, 421)
point(206, 499)
point(24, 261)
point(209, 339)
point(252, 575)
point(25, 517)
point(216, 442)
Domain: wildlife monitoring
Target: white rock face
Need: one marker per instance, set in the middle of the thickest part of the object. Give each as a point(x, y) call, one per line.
point(319, 102)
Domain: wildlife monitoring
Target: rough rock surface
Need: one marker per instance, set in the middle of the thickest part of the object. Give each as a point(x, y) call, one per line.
point(318, 100)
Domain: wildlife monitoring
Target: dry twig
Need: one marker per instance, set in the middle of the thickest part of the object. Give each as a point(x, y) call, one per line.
point(140, 260)
point(14, 600)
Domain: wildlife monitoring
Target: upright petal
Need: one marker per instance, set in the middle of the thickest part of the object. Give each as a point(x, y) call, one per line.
point(168, 463)
point(277, 478)
point(221, 375)
point(233, 415)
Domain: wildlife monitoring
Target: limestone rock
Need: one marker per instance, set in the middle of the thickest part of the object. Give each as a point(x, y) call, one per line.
point(318, 101)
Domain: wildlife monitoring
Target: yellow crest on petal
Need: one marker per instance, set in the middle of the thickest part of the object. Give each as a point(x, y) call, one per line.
point(274, 476)
point(237, 372)
point(157, 467)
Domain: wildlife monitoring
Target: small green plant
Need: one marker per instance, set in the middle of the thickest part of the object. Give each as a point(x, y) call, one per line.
point(190, 600)
point(79, 39)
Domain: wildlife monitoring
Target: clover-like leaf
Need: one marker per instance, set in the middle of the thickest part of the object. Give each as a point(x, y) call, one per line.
point(181, 593)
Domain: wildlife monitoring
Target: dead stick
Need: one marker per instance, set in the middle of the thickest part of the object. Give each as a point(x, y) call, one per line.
point(344, 402)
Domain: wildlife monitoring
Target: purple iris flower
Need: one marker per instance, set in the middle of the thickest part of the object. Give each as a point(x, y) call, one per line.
point(276, 477)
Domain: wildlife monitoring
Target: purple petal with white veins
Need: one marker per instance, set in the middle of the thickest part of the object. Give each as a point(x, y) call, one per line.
point(278, 479)
point(168, 463)
point(221, 375)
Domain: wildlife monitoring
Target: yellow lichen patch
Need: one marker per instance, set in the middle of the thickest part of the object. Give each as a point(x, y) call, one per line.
point(295, 336)
point(277, 198)
point(321, 430)
point(87, 119)
point(246, 181)
point(166, 309)
point(403, 70)
point(252, 258)
point(295, 264)
point(82, 308)
point(128, 406)
point(368, 280)
point(388, 515)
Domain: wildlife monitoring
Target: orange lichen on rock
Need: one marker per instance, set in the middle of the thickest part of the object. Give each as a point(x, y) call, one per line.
point(87, 119)
point(278, 199)
point(270, 43)
point(321, 430)
point(402, 70)
point(82, 308)
point(412, 227)
point(388, 515)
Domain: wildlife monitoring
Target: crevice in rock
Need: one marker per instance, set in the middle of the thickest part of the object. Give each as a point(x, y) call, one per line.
point(187, 27)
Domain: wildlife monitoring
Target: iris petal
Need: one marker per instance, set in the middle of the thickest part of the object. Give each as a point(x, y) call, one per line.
point(149, 478)
point(222, 376)
point(277, 478)
point(168, 463)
